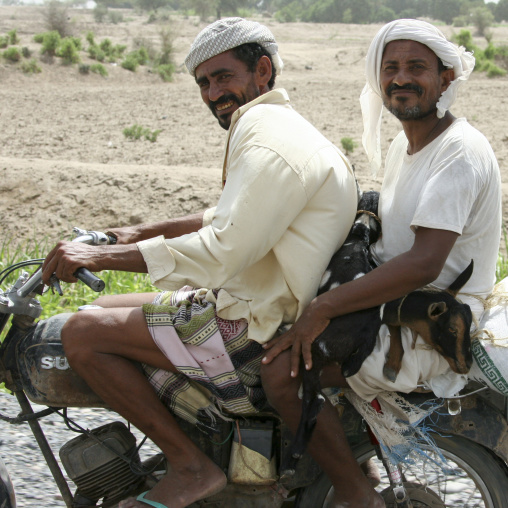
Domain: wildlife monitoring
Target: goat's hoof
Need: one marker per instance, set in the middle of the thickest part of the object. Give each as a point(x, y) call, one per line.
point(390, 374)
point(286, 475)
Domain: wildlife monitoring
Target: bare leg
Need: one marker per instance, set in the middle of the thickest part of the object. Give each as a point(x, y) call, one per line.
point(100, 345)
point(328, 445)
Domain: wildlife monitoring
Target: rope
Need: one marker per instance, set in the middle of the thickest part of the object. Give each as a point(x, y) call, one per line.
point(371, 214)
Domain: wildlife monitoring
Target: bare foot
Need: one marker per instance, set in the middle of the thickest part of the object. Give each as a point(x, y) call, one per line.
point(182, 488)
point(371, 471)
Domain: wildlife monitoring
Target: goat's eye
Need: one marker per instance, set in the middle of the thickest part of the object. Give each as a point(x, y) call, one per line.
point(452, 331)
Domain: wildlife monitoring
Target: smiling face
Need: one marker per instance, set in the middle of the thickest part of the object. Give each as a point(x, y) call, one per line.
point(410, 80)
point(227, 84)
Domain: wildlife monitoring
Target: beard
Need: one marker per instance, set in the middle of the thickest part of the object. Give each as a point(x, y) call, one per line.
point(249, 93)
point(403, 112)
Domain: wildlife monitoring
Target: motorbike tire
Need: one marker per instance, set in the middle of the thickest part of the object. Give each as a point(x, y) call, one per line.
point(484, 473)
point(7, 498)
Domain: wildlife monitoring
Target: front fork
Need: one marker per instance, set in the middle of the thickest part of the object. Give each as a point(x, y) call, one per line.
point(393, 470)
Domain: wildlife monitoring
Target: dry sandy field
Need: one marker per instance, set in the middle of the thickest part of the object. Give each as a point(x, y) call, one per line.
point(65, 161)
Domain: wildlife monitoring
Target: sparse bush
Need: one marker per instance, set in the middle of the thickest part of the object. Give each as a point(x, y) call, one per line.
point(39, 38)
point(31, 67)
point(84, 69)
point(12, 54)
point(68, 52)
point(26, 52)
point(137, 132)
point(4, 42)
point(167, 50)
point(348, 145)
point(56, 18)
point(13, 37)
point(99, 13)
point(166, 71)
point(99, 69)
point(50, 43)
point(115, 17)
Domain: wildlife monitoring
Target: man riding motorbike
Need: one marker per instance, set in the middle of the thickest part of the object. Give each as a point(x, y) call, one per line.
point(288, 201)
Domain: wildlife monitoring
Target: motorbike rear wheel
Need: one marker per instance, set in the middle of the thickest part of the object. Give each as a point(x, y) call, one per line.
point(479, 479)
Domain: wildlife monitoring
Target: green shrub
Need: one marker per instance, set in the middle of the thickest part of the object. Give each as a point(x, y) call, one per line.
point(96, 53)
point(464, 38)
point(4, 42)
point(77, 42)
point(166, 71)
point(493, 71)
point(68, 52)
point(26, 52)
point(99, 69)
point(90, 38)
point(107, 46)
point(13, 37)
point(84, 69)
point(134, 131)
point(39, 38)
point(31, 67)
point(50, 43)
point(137, 132)
point(348, 145)
point(12, 54)
point(130, 62)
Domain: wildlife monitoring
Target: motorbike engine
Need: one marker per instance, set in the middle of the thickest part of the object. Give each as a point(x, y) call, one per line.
point(102, 465)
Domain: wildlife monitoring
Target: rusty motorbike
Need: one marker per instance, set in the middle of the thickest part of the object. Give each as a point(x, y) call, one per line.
point(102, 466)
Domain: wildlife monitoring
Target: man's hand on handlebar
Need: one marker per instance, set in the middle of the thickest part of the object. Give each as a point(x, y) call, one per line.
point(66, 257)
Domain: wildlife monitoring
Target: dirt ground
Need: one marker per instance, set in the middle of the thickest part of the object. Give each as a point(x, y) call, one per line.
point(64, 160)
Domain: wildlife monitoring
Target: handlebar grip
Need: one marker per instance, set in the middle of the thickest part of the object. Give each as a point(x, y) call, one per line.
point(91, 280)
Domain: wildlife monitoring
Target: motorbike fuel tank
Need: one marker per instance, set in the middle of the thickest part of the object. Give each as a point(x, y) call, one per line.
point(44, 370)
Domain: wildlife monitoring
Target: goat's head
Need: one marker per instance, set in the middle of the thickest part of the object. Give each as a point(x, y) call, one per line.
point(449, 324)
point(366, 216)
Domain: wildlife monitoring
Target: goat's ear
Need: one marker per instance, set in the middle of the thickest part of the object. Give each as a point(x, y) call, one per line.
point(459, 282)
point(436, 309)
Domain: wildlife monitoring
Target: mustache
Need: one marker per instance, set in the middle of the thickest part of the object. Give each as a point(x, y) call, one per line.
point(409, 86)
point(222, 100)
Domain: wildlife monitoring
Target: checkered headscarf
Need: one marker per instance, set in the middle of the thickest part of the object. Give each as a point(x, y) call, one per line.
point(228, 33)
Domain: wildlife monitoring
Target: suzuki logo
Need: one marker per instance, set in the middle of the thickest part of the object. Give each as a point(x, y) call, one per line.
point(55, 362)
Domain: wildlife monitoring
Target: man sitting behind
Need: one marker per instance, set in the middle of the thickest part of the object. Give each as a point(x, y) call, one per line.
point(440, 205)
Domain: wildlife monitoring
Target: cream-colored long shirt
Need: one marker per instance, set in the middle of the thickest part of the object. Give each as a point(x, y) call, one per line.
point(287, 205)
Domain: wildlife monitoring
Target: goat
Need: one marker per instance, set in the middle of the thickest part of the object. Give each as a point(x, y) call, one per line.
point(441, 321)
point(437, 316)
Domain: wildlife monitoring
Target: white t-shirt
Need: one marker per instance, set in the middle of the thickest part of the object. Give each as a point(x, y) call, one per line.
point(452, 184)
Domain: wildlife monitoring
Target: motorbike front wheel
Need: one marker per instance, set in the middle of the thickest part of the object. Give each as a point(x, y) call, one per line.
point(477, 479)
point(7, 499)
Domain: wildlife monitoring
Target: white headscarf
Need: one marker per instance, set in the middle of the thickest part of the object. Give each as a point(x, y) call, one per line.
point(371, 101)
point(228, 33)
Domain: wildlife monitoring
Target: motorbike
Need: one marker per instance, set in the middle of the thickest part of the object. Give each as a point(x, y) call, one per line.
point(103, 465)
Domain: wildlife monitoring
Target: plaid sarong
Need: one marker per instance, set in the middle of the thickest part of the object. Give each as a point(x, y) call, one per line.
point(218, 365)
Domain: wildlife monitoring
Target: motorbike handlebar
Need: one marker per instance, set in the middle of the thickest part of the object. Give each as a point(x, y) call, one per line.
point(91, 238)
